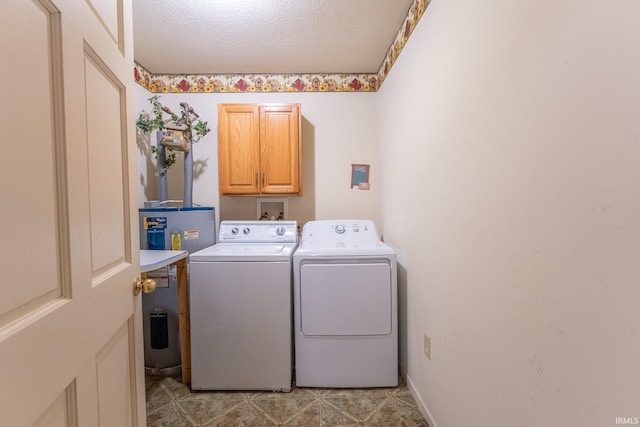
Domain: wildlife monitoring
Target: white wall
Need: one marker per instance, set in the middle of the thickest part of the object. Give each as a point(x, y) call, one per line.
point(338, 129)
point(510, 151)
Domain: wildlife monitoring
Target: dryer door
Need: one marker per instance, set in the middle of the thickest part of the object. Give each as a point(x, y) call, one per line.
point(346, 299)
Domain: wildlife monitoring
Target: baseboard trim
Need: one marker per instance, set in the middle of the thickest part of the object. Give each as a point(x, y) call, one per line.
point(422, 406)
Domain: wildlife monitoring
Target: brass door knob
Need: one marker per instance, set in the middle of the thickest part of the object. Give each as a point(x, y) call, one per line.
point(146, 286)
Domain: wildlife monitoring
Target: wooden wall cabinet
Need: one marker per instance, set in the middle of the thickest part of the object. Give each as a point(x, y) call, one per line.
point(259, 149)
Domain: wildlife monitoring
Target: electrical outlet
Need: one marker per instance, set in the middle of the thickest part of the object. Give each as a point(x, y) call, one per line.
point(427, 346)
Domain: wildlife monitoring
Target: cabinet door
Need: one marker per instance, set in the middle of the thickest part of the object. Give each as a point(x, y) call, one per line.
point(239, 148)
point(280, 149)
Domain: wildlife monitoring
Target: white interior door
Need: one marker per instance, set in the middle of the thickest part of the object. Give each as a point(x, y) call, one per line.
point(70, 327)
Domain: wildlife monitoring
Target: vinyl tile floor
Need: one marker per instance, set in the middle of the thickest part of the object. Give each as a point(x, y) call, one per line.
point(171, 403)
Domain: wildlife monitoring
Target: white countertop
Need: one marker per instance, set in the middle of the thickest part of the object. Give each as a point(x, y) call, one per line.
point(152, 260)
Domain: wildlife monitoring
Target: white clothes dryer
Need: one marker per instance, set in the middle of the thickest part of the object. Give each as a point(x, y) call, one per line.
point(345, 306)
point(241, 308)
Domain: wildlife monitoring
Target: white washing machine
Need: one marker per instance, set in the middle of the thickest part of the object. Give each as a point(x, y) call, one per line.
point(345, 306)
point(240, 296)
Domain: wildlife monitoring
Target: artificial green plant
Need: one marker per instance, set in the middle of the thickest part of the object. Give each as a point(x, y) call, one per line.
point(188, 122)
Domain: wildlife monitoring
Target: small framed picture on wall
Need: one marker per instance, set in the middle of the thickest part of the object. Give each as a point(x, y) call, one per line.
point(360, 176)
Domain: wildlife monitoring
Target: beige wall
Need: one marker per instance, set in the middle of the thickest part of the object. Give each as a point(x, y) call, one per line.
point(338, 129)
point(507, 176)
point(510, 150)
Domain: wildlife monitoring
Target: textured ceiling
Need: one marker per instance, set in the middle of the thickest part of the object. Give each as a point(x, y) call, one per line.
point(265, 36)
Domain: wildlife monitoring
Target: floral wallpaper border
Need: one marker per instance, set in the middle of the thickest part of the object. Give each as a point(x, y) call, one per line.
point(248, 83)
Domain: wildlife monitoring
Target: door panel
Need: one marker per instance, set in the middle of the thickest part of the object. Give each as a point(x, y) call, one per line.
point(36, 204)
point(109, 14)
point(71, 351)
point(113, 367)
point(278, 160)
point(106, 145)
point(345, 299)
point(60, 413)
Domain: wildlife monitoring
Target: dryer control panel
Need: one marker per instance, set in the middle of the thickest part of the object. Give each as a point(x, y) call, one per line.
point(348, 230)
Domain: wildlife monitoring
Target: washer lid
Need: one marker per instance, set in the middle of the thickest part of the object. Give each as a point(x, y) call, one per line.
point(244, 252)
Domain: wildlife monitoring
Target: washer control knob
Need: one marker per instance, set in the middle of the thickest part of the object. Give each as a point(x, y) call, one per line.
point(355, 228)
point(340, 229)
point(280, 231)
point(246, 231)
point(234, 230)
